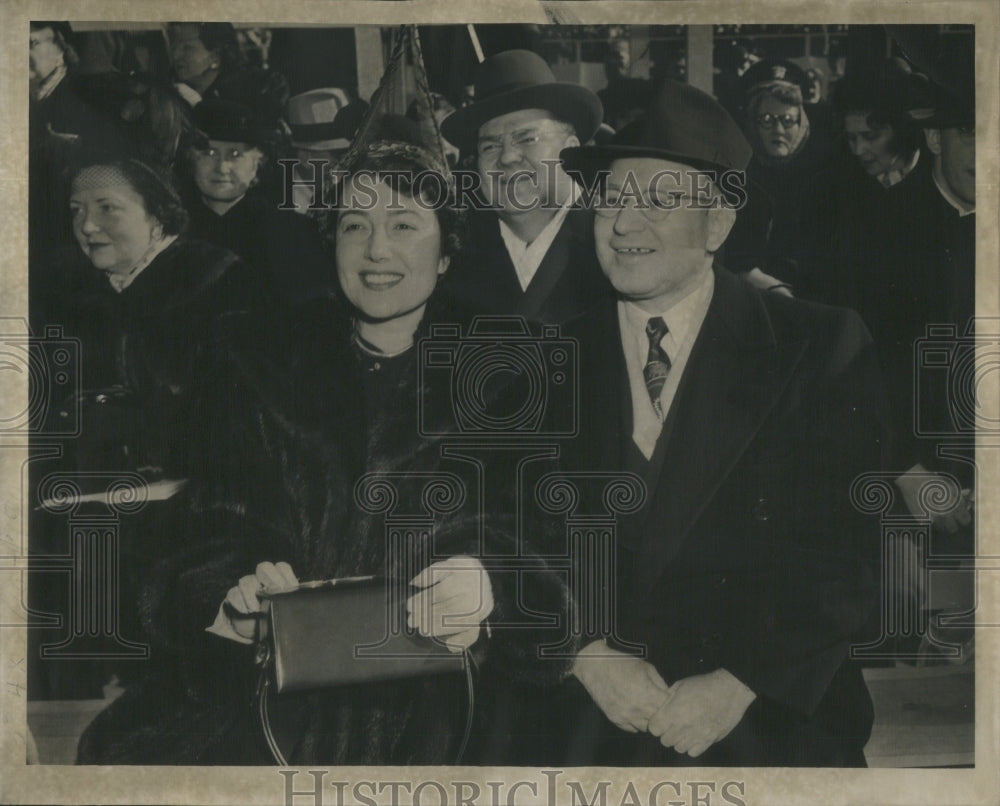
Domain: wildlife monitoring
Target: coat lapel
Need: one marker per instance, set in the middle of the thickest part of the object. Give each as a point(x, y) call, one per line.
point(601, 364)
point(496, 274)
point(735, 374)
point(550, 270)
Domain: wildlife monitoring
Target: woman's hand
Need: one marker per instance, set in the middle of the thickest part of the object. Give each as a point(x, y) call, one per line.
point(455, 599)
point(243, 599)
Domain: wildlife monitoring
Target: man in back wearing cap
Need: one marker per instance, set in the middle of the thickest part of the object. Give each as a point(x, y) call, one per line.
point(323, 122)
point(934, 286)
point(531, 255)
point(743, 580)
point(228, 208)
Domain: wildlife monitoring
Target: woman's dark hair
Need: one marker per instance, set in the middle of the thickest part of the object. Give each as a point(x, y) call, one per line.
point(61, 34)
point(884, 96)
point(398, 163)
point(220, 37)
point(157, 191)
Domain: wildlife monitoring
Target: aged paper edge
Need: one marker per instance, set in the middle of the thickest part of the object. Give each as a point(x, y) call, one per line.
point(20, 783)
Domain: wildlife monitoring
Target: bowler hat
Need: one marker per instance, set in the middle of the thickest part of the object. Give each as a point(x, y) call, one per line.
point(683, 125)
point(521, 79)
point(217, 119)
point(324, 119)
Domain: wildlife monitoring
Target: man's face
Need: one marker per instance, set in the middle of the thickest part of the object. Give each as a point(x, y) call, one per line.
point(44, 54)
point(225, 170)
point(521, 151)
point(657, 255)
point(958, 162)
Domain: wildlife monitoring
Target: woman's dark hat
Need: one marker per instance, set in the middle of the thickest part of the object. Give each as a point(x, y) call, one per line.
point(683, 125)
point(521, 79)
point(777, 73)
point(217, 119)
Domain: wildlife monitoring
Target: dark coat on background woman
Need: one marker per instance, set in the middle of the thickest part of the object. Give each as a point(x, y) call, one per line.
point(284, 248)
point(291, 425)
point(140, 347)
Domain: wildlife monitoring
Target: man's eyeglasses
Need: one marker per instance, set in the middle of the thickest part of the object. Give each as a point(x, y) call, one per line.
point(769, 121)
point(653, 208)
point(524, 140)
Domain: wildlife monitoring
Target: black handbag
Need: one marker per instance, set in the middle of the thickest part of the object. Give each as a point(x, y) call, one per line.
point(344, 631)
point(347, 631)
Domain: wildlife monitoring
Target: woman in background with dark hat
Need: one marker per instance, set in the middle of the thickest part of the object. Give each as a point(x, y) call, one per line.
point(779, 247)
point(224, 165)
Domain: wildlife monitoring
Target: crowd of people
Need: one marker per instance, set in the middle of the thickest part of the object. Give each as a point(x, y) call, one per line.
point(745, 363)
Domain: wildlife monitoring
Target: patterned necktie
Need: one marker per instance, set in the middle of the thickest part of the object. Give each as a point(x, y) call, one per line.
point(657, 363)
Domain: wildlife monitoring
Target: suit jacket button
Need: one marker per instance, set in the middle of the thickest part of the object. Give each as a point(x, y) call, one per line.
point(719, 580)
point(762, 510)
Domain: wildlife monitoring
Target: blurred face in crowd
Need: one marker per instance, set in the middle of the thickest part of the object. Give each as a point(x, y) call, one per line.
point(44, 54)
point(955, 150)
point(110, 221)
point(779, 126)
point(518, 145)
point(192, 60)
point(225, 171)
point(655, 256)
point(388, 260)
point(875, 148)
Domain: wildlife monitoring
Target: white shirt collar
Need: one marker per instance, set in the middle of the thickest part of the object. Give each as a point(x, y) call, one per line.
point(684, 321)
point(962, 208)
point(51, 81)
point(527, 257)
point(681, 318)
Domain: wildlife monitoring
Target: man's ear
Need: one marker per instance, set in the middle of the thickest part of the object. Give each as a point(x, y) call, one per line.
point(443, 264)
point(933, 138)
point(720, 222)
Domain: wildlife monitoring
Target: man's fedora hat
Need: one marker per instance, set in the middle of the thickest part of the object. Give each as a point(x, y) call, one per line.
point(324, 119)
point(521, 79)
point(683, 124)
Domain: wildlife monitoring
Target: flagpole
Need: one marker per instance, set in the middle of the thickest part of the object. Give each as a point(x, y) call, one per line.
point(475, 42)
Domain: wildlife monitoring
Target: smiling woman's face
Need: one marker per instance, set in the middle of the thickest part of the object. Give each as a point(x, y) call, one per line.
point(388, 260)
point(110, 221)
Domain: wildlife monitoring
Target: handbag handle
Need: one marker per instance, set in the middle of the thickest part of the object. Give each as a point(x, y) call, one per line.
point(265, 660)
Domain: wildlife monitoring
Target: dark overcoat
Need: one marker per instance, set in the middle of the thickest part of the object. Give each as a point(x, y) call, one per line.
point(568, 282)
point(750, 554)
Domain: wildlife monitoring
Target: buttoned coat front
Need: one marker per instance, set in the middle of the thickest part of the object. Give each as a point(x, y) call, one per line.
point(750, 553)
